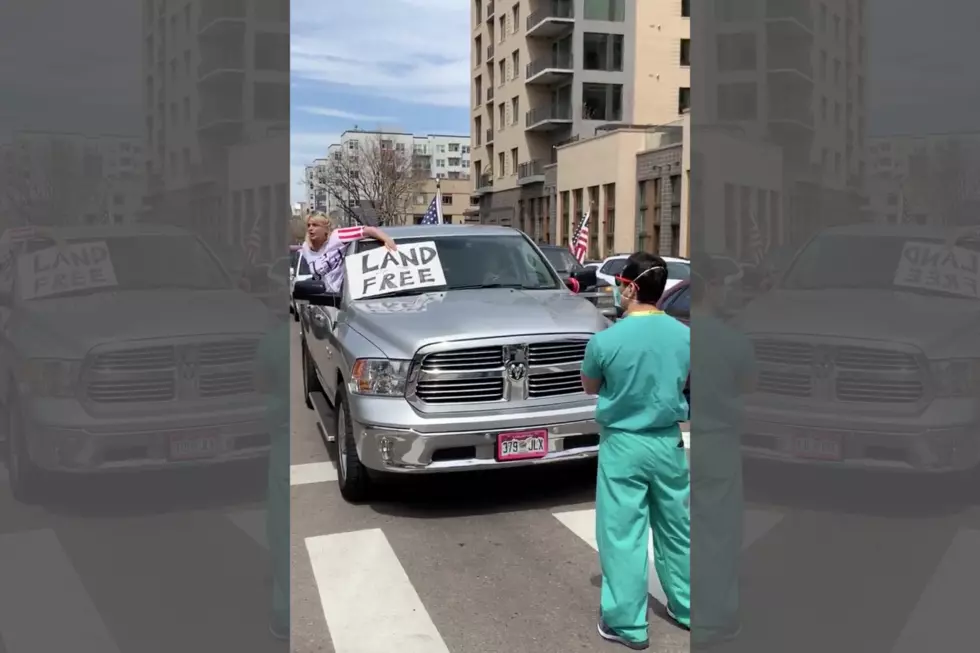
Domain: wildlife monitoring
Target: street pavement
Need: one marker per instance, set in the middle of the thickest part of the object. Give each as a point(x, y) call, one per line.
point(505, 562)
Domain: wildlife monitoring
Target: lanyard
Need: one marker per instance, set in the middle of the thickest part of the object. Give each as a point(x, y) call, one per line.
point(642, 313)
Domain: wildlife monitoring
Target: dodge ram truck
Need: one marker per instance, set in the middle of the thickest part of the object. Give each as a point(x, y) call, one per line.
point(484, 372)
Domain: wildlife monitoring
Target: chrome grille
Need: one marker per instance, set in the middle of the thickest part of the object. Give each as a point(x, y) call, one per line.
point(861, 358)
point(789, 384)
point(461, 390)
point(172, 372)
point(554, 384)
point(223, 384)
point(159, 387)
point(135, 360)
point(464, 360)
point(480, 374)
point(556, 353)
point(783, 353)
point(859, 388)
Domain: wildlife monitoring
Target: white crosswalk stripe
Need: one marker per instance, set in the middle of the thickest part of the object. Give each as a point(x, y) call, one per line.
point(307, 473)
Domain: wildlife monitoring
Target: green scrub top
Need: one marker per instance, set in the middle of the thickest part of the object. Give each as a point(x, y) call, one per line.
point(643, 360)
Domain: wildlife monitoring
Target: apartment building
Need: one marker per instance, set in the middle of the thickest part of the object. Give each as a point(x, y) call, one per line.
point(455, 199)
point(792, 73)
point(550, 72)
point(96, 178)
point(436, 156)
point(216, 75)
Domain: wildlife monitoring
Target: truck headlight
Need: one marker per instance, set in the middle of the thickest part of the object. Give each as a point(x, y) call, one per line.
point(956, 377)
point(51, 377)
point(379, 376)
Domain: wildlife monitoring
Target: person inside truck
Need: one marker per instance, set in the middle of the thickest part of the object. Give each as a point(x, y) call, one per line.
point(325, 246)
point(638, 368)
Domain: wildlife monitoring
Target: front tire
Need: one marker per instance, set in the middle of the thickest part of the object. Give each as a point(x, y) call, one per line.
point(352, 476)
point(27, 481)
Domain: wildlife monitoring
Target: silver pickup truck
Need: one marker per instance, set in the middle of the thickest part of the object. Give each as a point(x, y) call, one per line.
point(481, 373)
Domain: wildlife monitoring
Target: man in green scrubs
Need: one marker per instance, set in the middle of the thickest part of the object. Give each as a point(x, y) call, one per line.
point(638, 368)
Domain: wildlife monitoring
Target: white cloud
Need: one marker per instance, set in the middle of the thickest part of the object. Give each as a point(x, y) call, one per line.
point(410, 50)
point(346, 115)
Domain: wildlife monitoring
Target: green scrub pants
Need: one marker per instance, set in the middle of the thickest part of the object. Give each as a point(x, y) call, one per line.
point(643, 483)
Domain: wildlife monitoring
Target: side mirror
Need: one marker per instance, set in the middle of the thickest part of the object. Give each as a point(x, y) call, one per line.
point(584, 278)
point(315, 292)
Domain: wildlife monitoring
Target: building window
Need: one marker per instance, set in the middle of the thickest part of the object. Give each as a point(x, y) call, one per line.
point(685, 8)
point(602, 102)
point(515, 105)
point(515, 62)
point(447, 199)
point(501, 164)
point(683, 99)
point(685, 52)
point(738, 101)
point(514, 163)
point(602, 51)
point(736, 52)
point(609, 10)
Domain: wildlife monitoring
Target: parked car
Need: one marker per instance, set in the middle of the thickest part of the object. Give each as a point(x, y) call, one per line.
point(483, 373)
point(144, 361)
point(678, 269)
point(302, 273)
point(860, 365)
point(676, 302)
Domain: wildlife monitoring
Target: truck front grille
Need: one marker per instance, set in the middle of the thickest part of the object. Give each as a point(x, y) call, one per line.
point(843, 373)
point(480, 374)
point(171, 372)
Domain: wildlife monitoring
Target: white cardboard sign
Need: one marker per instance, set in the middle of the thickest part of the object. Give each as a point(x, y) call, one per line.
point(378, 271)
point(934, 266)
point(68, 268)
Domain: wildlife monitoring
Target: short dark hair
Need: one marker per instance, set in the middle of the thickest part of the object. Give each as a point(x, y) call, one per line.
point(650, 286)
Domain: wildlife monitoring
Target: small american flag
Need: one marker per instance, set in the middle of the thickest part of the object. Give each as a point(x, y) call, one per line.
point(580, 243)
point(434, 214)
point(253, 246)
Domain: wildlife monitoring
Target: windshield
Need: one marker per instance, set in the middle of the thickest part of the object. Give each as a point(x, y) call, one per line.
point(130, 263)
point(485, 261)
point(304, 268)
point(678, 271)
point(614, 267)
point(854, 262)
point(561, 259)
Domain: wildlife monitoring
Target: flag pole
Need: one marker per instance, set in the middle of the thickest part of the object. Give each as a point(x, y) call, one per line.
point(439, 200)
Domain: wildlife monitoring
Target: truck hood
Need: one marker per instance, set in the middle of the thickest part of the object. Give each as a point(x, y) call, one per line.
point(927, 322)
point(90, 320)
point(400, 326)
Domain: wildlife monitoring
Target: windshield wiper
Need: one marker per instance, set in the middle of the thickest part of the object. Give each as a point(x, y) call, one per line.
point(482, 286)
point(401, 293)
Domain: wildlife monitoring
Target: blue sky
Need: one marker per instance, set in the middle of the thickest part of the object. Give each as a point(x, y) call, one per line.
point(393, 64)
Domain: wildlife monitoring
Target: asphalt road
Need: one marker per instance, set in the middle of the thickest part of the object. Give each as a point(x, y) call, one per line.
point(502, 562)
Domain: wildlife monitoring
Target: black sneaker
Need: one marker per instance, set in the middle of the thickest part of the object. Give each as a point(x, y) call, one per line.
point(611, 635)
point(673, 617)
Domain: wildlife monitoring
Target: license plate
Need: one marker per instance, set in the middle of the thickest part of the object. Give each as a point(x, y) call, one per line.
point(821, 448)
point(523, 445)
point(183, 448)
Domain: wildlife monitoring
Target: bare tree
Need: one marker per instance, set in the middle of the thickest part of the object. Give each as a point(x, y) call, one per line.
point(52, 184)
point(944, 183)
point(376, 175)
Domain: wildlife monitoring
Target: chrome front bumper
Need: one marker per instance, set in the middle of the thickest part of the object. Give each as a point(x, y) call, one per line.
point(94, 449)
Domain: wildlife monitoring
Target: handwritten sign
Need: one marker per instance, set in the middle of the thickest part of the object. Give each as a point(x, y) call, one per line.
point(58, 270)
point(378, 271)
point(933, 266)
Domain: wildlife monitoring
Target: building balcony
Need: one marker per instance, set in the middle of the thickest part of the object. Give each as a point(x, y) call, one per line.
point(550, 69)
point(489, 53)
point(490, 10)
point(490, 94)
point(215, 14)
point(799, 12)
point(531, 172)
point(554, 19)
point(226, 64)
point(787, 54)
point(483, 184)
point(489, 137)
point(548, 118)
point(221, 124)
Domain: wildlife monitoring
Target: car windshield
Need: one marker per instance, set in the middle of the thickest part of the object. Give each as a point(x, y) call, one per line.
point(858, 262)
point(678, 271)
point(613, 267)
point(561, 259)
point(485, 262)
point(113, 264)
